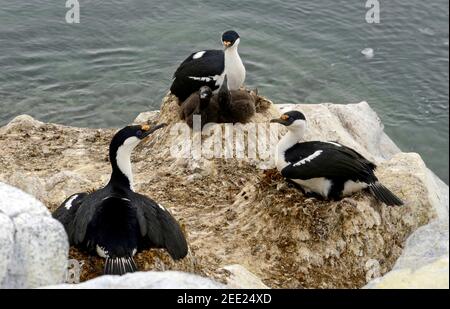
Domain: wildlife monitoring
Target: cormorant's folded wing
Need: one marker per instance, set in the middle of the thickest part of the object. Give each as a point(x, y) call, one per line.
point(314, 160)
point(199, 69)
point(210, 63)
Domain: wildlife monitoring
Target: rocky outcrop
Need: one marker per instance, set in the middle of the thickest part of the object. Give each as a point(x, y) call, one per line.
point(424, 262)
point(146, 280)
point(239, 277)
point(239, 211)
point(33, 246)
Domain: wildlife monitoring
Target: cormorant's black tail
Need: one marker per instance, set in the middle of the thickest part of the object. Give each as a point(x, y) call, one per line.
point(119, 266)
point(383, 194)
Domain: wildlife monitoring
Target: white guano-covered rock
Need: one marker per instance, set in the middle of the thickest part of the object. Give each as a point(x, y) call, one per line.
point(233, 212)
point(354, 125)
point(424, 263)
point(241, 278)
point(146, 280)
point(33, 246)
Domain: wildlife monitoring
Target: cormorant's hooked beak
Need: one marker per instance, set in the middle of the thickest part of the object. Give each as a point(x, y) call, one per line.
point(282, 120)
point(227, 44)
point(147, 130)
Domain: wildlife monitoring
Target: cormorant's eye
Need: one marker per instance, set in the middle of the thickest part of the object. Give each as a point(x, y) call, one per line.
point(139, 133)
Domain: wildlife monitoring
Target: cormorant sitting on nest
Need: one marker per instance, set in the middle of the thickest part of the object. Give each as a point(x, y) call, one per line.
point(115, 222)
point(327, 169)
point(208, 68)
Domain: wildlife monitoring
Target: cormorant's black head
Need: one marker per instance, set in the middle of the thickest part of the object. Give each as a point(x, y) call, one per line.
point(205, 93)
point(120, 150)
point(230, 38)
point(293, 120)
point(133, 134)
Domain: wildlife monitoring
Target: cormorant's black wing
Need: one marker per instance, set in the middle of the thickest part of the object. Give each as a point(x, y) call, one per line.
point(351, 152)
point(194, 73)
point(67, 211)
point(158, 228)
point(84, 215)
point(330, 160)
point(211, 63)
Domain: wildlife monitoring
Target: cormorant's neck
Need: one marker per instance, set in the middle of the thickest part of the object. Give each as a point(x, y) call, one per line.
point(231, 51)
point(287, 141)
point(122, 174)
point(234, 68)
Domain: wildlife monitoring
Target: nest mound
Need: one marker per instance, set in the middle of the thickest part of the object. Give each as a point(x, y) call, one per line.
point(232, 211)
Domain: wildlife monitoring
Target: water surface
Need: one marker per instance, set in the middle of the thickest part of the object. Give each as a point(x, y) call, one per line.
point(119, 60)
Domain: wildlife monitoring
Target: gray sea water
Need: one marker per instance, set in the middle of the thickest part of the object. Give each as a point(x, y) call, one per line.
point(119, 60)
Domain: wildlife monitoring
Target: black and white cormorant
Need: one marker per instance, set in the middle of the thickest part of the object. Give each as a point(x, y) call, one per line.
point(208, 68)
point(115, 222)
point(228, 106)
point(327, 169)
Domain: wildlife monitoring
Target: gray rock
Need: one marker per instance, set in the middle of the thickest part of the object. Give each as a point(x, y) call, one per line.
point(146, 117)
point(424, 262)
point(146, 280)
point(6, 246)
point(21, 122)
point(33, 246)
point(241, 278)
point(347, 124)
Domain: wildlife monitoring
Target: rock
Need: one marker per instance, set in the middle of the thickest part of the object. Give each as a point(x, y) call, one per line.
point(22, 123)
point(368, 52)
point(146, 280)
point(238, 212)
point(423, 263)
point(194, 177)
point(241, 278)
point(347, 124)
point(424, 260)
point(65, 183)
point(33, 246)
point(147, 117)
point(30, 184)
point(6, 246)
point(430, 276)
point(372, 269)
